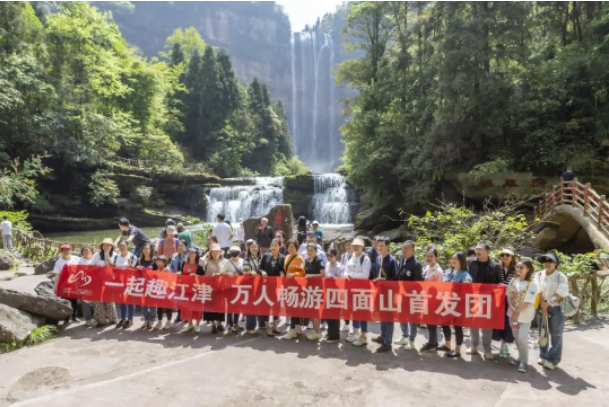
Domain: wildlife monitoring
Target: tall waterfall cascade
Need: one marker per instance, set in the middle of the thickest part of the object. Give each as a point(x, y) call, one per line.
point(332, 199)
point(315, 133)
point(245, 201)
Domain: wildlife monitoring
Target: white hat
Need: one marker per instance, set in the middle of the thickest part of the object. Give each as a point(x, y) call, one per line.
point(358, 242)
point(506, 251)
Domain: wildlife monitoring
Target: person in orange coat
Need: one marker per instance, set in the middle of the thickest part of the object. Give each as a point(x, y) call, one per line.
point(294, 267)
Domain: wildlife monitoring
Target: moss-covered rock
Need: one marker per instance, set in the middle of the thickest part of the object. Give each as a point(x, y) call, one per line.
point(300, 201)
point(304, 183)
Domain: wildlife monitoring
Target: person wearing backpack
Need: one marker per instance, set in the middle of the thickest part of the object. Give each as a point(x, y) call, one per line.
point(553, 289)
point(409, 269)
point(521, 295)
point(358, 268)
point(168, 246)
point(124, 259)
point(388, 270)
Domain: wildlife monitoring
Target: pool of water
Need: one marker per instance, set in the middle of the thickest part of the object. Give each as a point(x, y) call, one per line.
point(96, 236)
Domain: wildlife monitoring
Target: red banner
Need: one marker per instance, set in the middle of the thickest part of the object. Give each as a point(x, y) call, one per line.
point(467, 305)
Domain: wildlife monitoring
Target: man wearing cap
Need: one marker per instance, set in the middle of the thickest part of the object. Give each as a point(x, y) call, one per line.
point(66, 259)
point(484, 271)
point(553, 288)
point(132, 235)
point(264, 235)
point(223, 232)
point(319, 234)
point(358, 268)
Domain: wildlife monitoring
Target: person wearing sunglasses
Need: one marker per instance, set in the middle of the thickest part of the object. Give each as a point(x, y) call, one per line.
point(520, 298)
point(507, 260)
point(553, 288)
point(484, 271)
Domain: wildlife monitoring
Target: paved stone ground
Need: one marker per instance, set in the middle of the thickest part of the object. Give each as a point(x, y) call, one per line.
point(109, 367)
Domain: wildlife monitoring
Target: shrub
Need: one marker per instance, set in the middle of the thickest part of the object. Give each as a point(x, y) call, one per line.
point(103, 190)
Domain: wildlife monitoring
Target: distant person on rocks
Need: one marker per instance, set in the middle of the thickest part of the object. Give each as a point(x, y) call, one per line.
point(388, 270)
point(319, 234)
point(6, 227)
point(185, 235)
point(264, 235)
point(131, 234)
point(66, 259)
point(568, 175)
point(224, 233)
point(484, 271)
point(409, 269)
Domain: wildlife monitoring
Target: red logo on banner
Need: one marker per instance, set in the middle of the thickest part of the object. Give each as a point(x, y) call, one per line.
point(467, 305)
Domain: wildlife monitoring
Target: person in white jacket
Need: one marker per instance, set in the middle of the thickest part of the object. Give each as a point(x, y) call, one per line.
point(358, 268)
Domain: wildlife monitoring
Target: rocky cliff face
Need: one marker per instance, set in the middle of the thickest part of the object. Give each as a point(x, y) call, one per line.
point(255, 34)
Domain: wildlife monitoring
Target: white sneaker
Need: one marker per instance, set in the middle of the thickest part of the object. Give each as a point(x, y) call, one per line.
point(549, 365)
point(159, 325)
point(189, 327)
point(88, 323)
point(402, 341)
point(298, 330)
point(541, 362)
point(361, 341)
point(145, 325)
point(410, 346)
point(351, 332)
point(472, 351)
point(167, 325)
point(346, 328)
point(313, 336)
point(291, 334)
point(352, 338)
point(197, 328)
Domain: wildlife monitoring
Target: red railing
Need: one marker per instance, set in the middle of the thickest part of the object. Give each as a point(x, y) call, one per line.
point(580, 196)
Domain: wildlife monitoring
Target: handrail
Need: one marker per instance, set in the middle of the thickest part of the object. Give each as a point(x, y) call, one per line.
point(580, 196)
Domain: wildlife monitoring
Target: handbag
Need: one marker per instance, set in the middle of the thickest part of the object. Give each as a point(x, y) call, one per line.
point(544, 331)
point(571, 305)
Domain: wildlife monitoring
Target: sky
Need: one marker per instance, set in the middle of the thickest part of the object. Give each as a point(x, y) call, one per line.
point(302, 13)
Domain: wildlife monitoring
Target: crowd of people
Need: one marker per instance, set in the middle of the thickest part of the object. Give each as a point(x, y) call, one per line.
point(529, 294)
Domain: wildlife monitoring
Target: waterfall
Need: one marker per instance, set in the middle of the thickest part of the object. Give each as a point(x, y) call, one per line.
point(245, 201)
point(331, 129)
point(315, 93)
point(294, 101)
point(302, 90)
point(332, 199)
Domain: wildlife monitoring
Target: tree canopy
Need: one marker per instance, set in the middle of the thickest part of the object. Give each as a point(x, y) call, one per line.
point(446, 86)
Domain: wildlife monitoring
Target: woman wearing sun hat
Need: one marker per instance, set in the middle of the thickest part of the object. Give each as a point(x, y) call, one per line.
point(553, 288)
point(213, 263)
point(507, 262)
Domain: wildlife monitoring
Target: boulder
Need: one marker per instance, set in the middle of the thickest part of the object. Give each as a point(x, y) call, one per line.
point(16, 325)
point(304, 183)
point(375, 217)
point(54, 309)
point(46, 266)
point(301, 202)
point(6, 261)
point(280, 218)
point(45, 290)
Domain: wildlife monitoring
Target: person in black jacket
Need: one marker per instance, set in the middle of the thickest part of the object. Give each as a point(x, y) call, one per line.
point(264, 235)
point(484, 271)
point(373, 254)
point(409, 269)
point(388, 270)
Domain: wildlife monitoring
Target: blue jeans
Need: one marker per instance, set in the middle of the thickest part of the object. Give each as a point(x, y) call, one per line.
point(149, 313)
point(127, 311)
point(552, 352)
point(87, 310)
point(409, 330)
point(387, 332)
point(250, 321)
point(361, 324)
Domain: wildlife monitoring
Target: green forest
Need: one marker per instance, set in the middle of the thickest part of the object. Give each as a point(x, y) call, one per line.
point(447, 87)
point(75, 98)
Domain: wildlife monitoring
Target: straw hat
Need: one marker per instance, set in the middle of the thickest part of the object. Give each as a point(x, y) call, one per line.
point(215, 247)
point(108, 240)
point(358, 242)
point(171, 230)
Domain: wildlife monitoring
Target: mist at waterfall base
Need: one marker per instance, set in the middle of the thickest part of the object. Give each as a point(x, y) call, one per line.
point(314, 109)
point(331, 201)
